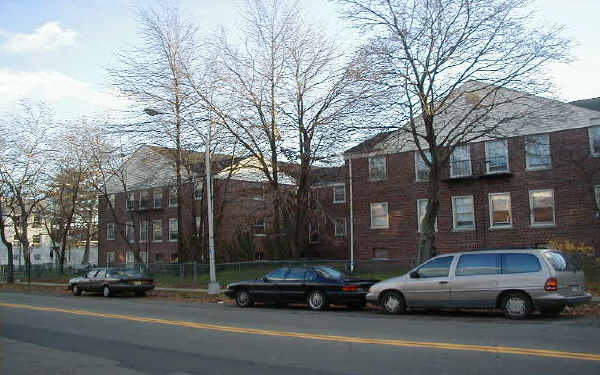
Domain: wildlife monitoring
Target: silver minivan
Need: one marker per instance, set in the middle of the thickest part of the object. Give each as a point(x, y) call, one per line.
point(516, 281)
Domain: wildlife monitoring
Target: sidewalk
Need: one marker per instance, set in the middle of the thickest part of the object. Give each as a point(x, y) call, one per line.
point(156, 288)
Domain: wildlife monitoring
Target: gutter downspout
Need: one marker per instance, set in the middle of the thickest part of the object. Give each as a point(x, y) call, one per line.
point(351, 219)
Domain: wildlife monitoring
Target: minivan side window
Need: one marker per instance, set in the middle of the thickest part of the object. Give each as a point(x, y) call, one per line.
point(478, 264)
point(520, 263)
point(439, 267)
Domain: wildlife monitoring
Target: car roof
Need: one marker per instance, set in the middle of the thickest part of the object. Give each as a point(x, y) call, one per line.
point(487, 251)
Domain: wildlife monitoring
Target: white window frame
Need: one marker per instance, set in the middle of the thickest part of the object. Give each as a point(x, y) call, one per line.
point(157, 194)
point(110, 228)
point(143, 229)
point(419, 221)
point(343, 187)
point(418, 159)
point(154, 239)
point(491, 210)
point(129, 225)
point(172, 194)
point(146, 194)
point(382, 178)
point(453, 173)
point(531, 211)
point(387, 216)
point(130, 197)
point(337, 222)
point(129, 257)
point(144, 256)
point(173, 228)
point(487, 164)
point(528, 154)
point(454, 213)
point(264, 227)
point(591, 139)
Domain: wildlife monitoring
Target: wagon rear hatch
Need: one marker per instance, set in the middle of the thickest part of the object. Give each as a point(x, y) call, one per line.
point(571, 280)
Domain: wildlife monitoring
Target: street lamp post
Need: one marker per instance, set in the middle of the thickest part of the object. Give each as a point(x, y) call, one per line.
point(213, 285)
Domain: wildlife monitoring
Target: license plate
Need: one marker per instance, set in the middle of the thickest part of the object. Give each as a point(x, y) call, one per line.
point(138, 283)
point(574, 288)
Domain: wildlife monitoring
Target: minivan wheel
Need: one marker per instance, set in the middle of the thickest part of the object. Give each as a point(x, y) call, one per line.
point(106, 291)
point(243, 298)
point(317, 300)
point(517, 306)
point(392, 303)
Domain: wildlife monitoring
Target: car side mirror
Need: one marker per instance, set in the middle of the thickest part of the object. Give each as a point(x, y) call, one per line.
point(414, 275)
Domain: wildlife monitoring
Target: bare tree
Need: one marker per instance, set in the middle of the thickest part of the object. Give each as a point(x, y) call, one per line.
point(443, 66)
point(4, 222)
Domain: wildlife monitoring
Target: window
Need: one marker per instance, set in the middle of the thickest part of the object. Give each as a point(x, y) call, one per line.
point(36, 221)
point(111, 199)
point(597, 196)
point(260, 227)
point(313, 232)
point(541, 205)
point(35, 239)
point(130, 232)
point(158, 194)
point(130, 201)
point(377, 168)
point(144, 200)
point(173, 230)
point(92, 274)
point(460, 161)
point(537, 152)
point(421, 211)
point(143, 231)
point(439, 267)
point(37, 256)
point(478, 264)
point(562, 262)
point(381, 254)
point(110, 231)
point(520, 263)
point(157, 234)
point(594, 134)
point(500, 210)
point(144, 256)
point(173, 197)
point(340, 227)
point(278, 274)
point(379, 215)
point(421, 167)
point(101, 274)
point(463, 214)
point(198, 191)
point(110, 257)
point(496, 156)
point(129, 258)
point(296, 274)
point(339, 194)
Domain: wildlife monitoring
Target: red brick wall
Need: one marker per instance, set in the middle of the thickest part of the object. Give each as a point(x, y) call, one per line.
point(573, 175)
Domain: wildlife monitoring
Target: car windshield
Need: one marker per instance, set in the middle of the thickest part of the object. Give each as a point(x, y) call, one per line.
point(330, 272)
point(123, 273)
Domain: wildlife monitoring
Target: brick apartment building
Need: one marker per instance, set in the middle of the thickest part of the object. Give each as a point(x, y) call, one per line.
point(540, 182)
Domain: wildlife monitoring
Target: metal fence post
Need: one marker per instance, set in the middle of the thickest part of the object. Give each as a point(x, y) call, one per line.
point(195, 273)
point(181, 272)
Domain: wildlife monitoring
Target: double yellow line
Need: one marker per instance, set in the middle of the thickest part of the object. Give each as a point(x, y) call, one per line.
point(309, 336)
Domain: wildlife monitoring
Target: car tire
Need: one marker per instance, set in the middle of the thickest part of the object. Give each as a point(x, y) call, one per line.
point(75, 289)
point(317, 300)
point(551, 311)
point(106, 291)
point(243, 298)
point(392, 302)
point(517, 306)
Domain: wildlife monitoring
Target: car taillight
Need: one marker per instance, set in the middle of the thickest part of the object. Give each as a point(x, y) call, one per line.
point(350, 288)
point(551, 285)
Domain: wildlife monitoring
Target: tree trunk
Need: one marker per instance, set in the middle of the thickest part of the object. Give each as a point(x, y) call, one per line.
point(427, 238)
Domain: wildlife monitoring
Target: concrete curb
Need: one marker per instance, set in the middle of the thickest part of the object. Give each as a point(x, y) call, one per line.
point(189, 290)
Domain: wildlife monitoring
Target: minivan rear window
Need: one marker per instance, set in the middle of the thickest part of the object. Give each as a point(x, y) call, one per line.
point(561, 262)
point(520, 263)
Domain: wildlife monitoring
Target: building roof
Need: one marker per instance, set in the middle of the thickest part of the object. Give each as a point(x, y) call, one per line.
point(506, 113)
point(593, 103)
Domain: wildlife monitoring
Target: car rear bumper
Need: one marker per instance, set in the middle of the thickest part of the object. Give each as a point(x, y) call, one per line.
point(346, 297)
point(557, 300)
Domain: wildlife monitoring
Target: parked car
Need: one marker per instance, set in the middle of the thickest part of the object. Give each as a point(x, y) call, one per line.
point(316, 286)
point(516, 281)
point(111, 281)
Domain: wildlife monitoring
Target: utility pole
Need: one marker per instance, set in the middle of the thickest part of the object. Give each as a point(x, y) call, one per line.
point(213, 285)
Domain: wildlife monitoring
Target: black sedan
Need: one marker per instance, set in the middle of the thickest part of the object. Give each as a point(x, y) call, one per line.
point(316, 286)
point(111, 281)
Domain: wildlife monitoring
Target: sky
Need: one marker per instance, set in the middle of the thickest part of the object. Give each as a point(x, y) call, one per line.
point(57, 51)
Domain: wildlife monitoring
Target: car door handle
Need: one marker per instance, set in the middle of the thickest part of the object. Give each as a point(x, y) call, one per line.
point(443, 282)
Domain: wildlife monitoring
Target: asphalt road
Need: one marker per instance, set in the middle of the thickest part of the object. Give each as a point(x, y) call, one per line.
point(96, 335)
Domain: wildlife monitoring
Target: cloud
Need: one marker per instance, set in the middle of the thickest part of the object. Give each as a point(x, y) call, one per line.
point(67, 95)
point(47, 37)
